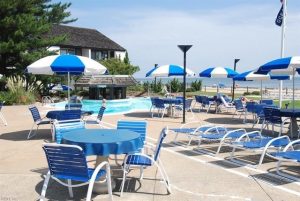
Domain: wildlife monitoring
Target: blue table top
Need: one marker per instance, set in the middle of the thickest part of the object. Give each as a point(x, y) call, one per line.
point(290, 113)
point(55, 113)
point(104, 141)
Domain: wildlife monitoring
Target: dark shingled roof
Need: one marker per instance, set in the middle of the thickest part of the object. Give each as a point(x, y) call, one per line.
point(108, 80)
point(84, 38)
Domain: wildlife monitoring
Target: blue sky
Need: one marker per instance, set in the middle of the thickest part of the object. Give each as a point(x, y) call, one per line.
point(219, 30)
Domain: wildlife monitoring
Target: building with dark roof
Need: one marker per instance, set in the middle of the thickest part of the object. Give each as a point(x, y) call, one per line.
point(105, 86)
point(86, 42)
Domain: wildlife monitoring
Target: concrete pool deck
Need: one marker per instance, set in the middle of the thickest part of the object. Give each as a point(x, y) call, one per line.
point(194, 174)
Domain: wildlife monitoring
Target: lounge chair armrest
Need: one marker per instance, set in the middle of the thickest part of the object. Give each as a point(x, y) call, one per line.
point(291, 144)
point(275, 139)
point(216, 128)
point(233, 131)
point(248, 134)
point(67, 121)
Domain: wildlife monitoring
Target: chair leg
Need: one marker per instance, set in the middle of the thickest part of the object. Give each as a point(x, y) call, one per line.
point(124, 179)
point(141, 173)
point(163, 176)
point(70, 188)
point(29, 134)
point(45, 185)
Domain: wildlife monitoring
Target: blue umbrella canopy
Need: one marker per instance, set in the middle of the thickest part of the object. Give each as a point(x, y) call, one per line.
point(251, 76)
point(169, 70)
point(64, 64)
point(218, 72)
point(282, 66)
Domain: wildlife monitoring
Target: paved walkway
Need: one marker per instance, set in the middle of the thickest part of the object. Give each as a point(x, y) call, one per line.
point(194, 174)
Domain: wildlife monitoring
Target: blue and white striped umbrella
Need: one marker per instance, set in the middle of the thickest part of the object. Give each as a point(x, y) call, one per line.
point(169, 70)
point(283, 66)
point(218, 72)
point(251, 76)
point(64, 64)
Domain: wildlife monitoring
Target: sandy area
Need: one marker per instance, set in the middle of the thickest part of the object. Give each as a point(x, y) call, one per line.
point(194, 174)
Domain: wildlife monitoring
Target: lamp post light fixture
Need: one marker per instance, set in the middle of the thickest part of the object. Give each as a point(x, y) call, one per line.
point(233, 81)
point(184, 49)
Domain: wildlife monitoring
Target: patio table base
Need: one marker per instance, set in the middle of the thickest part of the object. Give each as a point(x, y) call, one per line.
point(100, 187)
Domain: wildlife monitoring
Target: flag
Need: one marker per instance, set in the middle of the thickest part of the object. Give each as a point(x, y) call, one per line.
point(279, 17)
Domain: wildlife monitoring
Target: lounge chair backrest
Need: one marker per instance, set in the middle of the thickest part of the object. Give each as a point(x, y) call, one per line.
point(66, 160)
point(250, 106)
point(205, 100)
point(35, 113)
point(153, 100)
point(224, 101)
point(139, 127)
point(188, 103)
point(267, 101)
point(159, 103)
point(198, 99)
point(69, 115)
point(101, 113)
point(238, 104)
point(160, 140)
point(258, 109)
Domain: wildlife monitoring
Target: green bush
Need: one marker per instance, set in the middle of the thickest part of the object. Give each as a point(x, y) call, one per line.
point(17, 97)
point(247, 93)
point(176, 85)
point(157, 88)
point(196, 85)
point(257, 93)
point(137, 87)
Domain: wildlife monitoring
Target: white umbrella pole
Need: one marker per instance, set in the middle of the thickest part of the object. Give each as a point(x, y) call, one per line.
point(261, 95)
point(69, 90)
point(282, 47)
point(293, 89)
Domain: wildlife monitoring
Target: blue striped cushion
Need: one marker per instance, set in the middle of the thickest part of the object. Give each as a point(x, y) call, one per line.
point(293, 155)
point(138, 160)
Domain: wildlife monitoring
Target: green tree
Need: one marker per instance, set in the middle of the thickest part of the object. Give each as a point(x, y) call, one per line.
point(118, 67)
point(126, 59)
point(23, 26)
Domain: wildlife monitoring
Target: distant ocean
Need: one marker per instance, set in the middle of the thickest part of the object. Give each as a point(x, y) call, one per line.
point(228, 82)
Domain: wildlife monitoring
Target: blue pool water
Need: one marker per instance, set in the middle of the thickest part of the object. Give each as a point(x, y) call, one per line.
point(113, 106)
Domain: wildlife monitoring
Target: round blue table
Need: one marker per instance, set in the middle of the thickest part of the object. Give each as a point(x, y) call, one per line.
point(104, 142)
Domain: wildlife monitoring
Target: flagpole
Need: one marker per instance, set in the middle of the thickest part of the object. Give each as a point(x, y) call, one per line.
point(282, 46)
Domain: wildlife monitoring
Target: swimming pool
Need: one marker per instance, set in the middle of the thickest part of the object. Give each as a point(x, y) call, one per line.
point(121, 106)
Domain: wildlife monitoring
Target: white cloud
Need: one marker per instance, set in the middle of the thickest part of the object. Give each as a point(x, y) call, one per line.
point(218, 36)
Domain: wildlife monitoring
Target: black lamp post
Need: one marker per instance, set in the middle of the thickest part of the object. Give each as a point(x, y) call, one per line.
point(233, 82)
point(155, 66)
point(184, 49)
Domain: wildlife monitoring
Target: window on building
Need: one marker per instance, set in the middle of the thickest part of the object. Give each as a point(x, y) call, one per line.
point(112, 54)
point(99, 55)
point(67, 51)
point(78, 52)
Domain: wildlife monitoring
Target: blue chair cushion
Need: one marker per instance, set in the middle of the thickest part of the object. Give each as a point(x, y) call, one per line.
point(183, 130)
point(293, 155)
point(212, 136)
point(263, 142)
point(138, 160)
point(83, 179)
